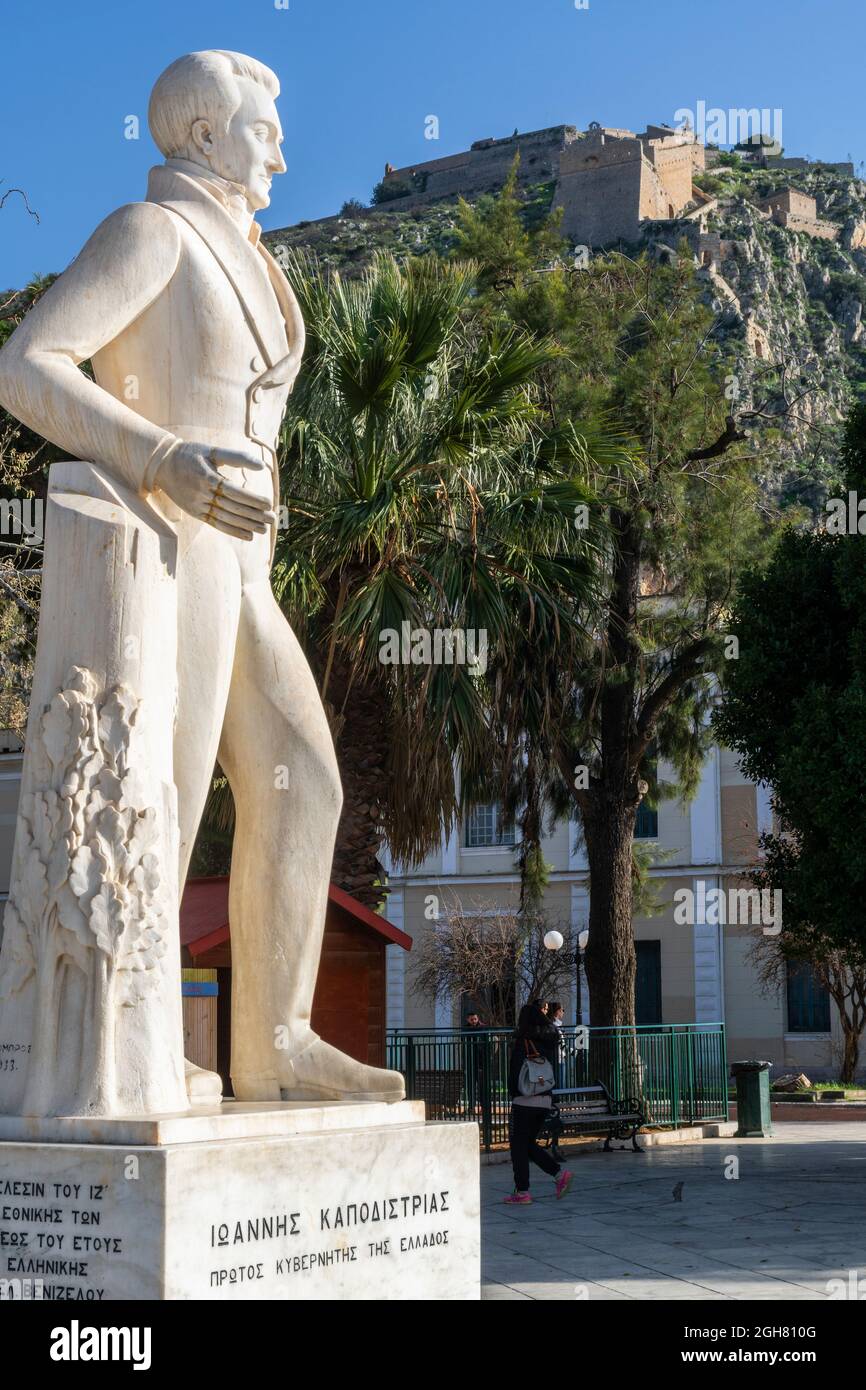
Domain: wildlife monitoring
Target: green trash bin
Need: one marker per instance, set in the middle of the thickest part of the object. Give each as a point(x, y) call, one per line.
point(753, 1099)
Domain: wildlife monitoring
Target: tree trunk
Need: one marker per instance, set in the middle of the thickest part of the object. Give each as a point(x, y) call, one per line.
point(851, 1052)
point(609, 806)
point(608, 824)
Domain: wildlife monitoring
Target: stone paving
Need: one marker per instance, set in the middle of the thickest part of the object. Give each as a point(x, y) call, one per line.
point(794, 1219)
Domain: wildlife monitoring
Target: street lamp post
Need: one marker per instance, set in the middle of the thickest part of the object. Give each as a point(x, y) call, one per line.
point(582, 939)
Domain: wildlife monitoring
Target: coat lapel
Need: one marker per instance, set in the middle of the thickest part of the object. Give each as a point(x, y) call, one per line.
point(238, 258)
point(287, 368)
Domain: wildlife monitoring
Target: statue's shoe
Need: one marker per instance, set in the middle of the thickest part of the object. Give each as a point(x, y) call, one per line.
point(202, 1087)
point(322, 1072)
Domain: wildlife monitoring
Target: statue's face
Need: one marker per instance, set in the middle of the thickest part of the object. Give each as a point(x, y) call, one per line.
point(247, 153)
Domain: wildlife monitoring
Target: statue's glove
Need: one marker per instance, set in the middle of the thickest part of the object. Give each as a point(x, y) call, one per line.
point(188, 475)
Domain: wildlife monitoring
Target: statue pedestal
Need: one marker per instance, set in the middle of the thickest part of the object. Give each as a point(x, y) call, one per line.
point(328, 1201)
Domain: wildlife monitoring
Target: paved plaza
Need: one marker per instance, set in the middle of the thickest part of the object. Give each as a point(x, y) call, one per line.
point(793, 1219)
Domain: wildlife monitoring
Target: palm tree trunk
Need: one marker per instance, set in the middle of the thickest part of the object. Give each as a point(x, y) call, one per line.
point(529, 858)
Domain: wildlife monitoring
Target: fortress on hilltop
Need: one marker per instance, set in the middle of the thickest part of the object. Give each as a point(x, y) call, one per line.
point(611, 183)
point(608, 181)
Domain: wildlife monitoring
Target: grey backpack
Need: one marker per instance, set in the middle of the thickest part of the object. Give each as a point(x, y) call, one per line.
point(536, 1074)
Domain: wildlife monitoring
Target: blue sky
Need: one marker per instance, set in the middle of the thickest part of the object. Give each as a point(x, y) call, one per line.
point(359, 78)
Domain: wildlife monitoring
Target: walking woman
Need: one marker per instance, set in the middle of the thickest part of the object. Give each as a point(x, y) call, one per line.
point(531, 1082)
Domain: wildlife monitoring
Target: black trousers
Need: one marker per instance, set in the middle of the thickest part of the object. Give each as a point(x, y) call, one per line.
point(526, 1121)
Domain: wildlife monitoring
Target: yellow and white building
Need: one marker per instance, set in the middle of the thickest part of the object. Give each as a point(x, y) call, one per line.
point(697, 973)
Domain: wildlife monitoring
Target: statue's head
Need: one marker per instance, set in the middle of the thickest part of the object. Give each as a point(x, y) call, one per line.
point(217, 109)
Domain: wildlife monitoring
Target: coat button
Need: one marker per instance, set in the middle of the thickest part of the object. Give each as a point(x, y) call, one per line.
point(257, 364)
point(257, 393)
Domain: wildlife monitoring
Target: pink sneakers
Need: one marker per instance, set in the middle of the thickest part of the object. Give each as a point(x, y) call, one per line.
point(524, 1199)
point(563, 1183)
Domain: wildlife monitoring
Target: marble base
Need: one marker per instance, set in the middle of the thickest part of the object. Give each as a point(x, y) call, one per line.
point(332, 1202)
point(230, 1120)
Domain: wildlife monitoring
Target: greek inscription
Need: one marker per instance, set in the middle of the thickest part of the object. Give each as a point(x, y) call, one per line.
point(389, 1209)
point(254, 1229)
point(240, 1274)
point(424, 1242)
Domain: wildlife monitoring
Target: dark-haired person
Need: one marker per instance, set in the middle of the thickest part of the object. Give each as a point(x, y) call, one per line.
point(556, 1014)
point(535, 1035)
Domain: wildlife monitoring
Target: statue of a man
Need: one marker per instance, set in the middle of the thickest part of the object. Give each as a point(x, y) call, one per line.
point(173, 650)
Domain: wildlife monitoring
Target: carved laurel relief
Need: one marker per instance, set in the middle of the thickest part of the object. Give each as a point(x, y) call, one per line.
point(86, 886)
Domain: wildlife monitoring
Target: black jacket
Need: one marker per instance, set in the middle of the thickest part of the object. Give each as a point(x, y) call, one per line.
point(546, 1039)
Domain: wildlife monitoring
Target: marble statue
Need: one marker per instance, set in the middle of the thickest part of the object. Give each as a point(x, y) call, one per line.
point(161, 647)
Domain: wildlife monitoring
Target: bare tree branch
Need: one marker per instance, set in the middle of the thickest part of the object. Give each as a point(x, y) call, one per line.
point(22, 603)
point(23, 195)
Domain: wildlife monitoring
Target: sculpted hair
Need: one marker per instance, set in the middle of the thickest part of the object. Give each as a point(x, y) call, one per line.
point(201, 86)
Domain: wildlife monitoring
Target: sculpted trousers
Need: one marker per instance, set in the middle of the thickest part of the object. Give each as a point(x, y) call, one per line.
point(247, 696)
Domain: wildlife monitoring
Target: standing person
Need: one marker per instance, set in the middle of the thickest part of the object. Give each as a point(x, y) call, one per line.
point(535, 1037)
point(556, 1014)
point(475, 1060)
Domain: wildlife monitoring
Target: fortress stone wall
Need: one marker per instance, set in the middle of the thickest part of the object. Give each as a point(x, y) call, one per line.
point(600, 189)
point(675, 163)
point(843, 166)
point(484, 166)
point(608, 180)
point(613, 180)
point(796, 211)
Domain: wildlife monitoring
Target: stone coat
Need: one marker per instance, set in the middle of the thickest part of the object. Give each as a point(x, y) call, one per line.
point(148, 286)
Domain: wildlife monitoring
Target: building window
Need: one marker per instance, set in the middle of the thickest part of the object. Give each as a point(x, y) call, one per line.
point(646, 825)
point(808, 1000)
point(485, 827)
point(648, 983)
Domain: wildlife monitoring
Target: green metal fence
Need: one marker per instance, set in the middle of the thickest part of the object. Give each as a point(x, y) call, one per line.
point(677, 1071)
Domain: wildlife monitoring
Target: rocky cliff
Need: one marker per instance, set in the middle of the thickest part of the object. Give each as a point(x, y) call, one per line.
point(792, 305)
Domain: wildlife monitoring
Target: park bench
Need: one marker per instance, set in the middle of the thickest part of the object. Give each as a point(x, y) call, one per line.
point(592, 1109)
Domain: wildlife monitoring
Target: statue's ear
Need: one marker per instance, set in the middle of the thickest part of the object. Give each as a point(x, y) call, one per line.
point(202, 136)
